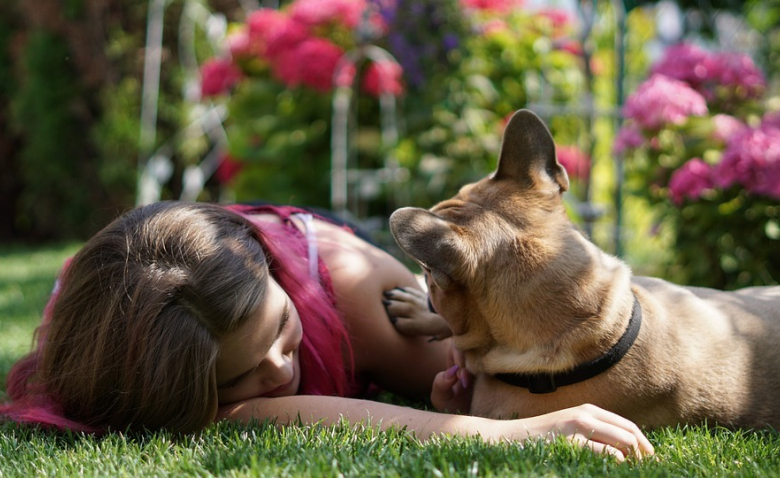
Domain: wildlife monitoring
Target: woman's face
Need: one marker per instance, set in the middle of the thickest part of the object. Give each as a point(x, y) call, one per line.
point(260, 359)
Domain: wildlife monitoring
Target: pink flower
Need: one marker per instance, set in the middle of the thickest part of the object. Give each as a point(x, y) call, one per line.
point(286, 36)
point(706, 72)
point(569, 45)
point(627, 138)
point(661, 100)
point(494, 25)
point(574, 160)
point(346, 75)
point(228, 169)
point(559, 19)
point(239, 44)
point(272, 32)
point(771, 120)
point(726, 126)
point(752, 160)
point(493, 6)
point(313, 13)
point(693, 178)
point(218, 75)
point(685, 62)
point(738, 72)
point(311, 63)
point(383, 77)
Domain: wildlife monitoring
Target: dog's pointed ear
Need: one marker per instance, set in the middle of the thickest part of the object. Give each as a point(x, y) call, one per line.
point(429, 240)
point(528, 153)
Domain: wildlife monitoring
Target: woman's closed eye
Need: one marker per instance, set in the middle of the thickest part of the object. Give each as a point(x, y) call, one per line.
point(237, 380)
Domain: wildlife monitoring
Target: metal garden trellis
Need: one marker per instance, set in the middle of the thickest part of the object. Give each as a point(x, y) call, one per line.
point(344, 168)
point(155, 166)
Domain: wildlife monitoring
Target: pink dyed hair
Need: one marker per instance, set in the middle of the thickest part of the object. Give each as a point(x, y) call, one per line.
point(325, 338)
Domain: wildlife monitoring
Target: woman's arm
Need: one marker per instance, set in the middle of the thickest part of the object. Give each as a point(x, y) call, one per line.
point(360, 274)
point(585, 425)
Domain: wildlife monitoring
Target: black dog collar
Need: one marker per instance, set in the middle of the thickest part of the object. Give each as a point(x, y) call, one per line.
point(549, 382)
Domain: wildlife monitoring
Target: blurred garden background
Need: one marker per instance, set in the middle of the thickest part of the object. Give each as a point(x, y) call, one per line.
point(666, 114)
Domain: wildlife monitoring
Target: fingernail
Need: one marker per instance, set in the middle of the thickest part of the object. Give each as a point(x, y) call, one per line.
point(452, 371)
point(387, 293)
point(393, 319)
point(386, 302)
point(464, 380)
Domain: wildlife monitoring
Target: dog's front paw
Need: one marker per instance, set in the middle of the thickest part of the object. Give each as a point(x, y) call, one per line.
point(408, 310)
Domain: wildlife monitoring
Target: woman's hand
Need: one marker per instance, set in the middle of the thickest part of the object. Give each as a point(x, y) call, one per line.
point(452, 389)
point(587, 426)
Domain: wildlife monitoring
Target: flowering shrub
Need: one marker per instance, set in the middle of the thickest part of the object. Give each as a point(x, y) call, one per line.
point(700, 146)
point(462, 66)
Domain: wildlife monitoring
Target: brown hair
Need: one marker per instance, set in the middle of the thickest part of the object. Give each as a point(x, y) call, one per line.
point(135, 332)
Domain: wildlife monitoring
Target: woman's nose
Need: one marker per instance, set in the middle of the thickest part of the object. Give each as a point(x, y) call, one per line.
point(280, 367)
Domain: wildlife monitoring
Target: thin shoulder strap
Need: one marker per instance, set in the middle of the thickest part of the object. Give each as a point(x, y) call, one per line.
point(311, 239)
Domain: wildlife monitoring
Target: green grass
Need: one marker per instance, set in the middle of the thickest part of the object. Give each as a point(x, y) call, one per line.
point(26, 277)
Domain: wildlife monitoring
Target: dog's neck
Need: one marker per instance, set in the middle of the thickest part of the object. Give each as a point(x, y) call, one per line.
point(549, 382)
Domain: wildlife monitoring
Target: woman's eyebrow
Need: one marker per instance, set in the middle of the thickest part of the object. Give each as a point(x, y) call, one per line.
point(282, 323)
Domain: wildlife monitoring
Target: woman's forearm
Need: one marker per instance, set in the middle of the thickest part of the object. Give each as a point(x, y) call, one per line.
point(585, 425)
point(309, 409)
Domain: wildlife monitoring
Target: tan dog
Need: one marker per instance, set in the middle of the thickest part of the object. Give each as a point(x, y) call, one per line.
point(534, 304)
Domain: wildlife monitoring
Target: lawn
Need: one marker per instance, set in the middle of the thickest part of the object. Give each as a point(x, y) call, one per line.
point(26, 277)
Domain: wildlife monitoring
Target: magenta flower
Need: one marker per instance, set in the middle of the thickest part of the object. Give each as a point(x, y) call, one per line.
point(574, 160)
point(559, 20)
point(738, 72)
point(725, 127)
point(345, 76)
point(685, 62)
point(228, 169)
point(284, 36)
point(493, 6)
point(707, 72)
point(771, 120)
point(661, 100)
point(690, 180)
point(383, 77)
point(263, 24)
point(239, 44)
point(752, 160)
point(218, 75)
point(627, 138)
point(313, 13)
point(311, 63)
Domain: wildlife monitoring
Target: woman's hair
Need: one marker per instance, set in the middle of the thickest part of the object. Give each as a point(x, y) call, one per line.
point(131, 338)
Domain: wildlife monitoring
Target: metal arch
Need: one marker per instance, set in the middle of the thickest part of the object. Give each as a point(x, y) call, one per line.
point(158, 168)
point(343, 95)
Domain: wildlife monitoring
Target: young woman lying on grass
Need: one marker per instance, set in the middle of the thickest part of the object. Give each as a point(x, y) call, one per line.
point(177, 315)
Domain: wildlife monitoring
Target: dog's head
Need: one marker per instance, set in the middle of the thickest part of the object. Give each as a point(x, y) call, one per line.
point(501, 253)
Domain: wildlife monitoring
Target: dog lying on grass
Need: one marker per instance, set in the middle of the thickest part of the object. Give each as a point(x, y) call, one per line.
point(546, 320)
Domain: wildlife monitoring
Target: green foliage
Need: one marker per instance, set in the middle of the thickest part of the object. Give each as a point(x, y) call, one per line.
point(452, 113)
point(729, 240)
point(55, 160)
point(116, 138)
point(709, 175)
